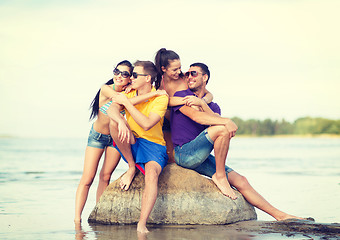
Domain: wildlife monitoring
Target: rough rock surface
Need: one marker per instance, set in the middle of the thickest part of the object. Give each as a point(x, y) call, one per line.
point(184, 197)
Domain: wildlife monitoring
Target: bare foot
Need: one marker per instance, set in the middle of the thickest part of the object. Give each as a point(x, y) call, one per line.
point(141, 228)
point(127, 178)
point(224, 187)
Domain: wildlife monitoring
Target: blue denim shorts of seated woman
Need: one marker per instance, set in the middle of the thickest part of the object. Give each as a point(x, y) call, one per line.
point(99, 140)
point(196, 155)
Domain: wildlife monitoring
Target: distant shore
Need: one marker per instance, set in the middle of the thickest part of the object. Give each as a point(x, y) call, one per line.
point(237, 135)
point(7, 136)
point(290, 136)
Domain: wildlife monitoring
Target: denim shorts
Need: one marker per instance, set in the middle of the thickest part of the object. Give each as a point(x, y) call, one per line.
point(196, 155)
point(99, 140)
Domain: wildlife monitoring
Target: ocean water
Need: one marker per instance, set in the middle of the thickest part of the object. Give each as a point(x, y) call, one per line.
point(39, 177)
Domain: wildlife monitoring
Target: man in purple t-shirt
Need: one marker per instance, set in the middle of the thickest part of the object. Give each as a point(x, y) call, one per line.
point(196, 132)
point(192, 137)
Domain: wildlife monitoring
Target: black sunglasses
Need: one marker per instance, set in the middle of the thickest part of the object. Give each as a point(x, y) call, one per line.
point(125, 74)
point(193, 73)
point(135, 75)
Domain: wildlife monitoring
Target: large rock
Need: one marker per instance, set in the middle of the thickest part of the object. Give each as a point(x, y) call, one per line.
point(184, 197)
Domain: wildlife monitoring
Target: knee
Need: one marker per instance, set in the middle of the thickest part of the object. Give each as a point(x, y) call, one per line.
point(151, 176)
point(86, 182)
point(104, 177)
point(222, 131)
point(225, 132)
point(242, 183)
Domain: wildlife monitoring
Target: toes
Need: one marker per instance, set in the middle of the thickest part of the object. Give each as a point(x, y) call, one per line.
point(232, 196)
point(122, 185)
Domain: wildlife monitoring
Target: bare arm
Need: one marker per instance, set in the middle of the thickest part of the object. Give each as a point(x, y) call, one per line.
point(208, 96)
point(144, 97)
point(209, 119)
point(193, 101)
point(123, 130)
point(176, 101)
point(146, 122)
point(108, 92)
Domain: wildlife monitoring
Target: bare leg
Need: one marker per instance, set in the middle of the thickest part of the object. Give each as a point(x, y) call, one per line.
point(220, 136)
point(125, 149)
point(92, 157)
point(111, 161)
point(254, 198)
point(152, 171)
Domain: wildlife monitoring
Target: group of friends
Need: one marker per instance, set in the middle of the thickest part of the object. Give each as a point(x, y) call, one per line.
point(151, 114)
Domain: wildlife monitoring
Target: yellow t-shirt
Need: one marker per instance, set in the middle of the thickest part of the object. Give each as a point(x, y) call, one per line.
point(156, 105)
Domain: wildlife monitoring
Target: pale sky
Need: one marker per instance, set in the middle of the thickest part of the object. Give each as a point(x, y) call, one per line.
point(268, 59)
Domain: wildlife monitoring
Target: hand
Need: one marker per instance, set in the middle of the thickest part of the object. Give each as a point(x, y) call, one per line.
point(192, 101)
point(196, 108)
point(232, 128)
point(123, 131)
point(128, 89)
point(119, 98)
point(161, 92)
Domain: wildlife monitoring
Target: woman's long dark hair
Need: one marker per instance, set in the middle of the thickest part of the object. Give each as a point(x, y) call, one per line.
point(95, 102)
point(162, 59)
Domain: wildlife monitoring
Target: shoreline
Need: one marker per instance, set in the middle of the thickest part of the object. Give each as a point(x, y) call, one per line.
point(326, 136)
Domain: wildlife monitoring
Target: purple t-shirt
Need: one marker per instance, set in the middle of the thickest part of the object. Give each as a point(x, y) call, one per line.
point(183, 129)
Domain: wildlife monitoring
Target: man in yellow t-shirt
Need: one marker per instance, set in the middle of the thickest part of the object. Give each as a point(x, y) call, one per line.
point(154, 105)
point(139, 138)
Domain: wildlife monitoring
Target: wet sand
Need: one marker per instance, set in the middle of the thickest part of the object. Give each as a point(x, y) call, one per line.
point(247, 230)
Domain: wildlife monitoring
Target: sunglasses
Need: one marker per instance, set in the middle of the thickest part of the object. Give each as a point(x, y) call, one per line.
point(125, 74)
point(193, 73)
point(135, 75)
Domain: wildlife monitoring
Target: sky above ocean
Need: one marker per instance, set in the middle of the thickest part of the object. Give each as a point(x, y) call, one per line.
point(268, 59)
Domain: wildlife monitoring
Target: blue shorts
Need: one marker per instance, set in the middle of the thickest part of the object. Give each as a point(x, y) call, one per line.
point(196, 155)
point(99, 140)
point(144, 151)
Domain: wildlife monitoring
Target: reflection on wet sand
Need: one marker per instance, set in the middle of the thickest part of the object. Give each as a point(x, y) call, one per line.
point(246, 230)
point(107, 232)
point(80, 234)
